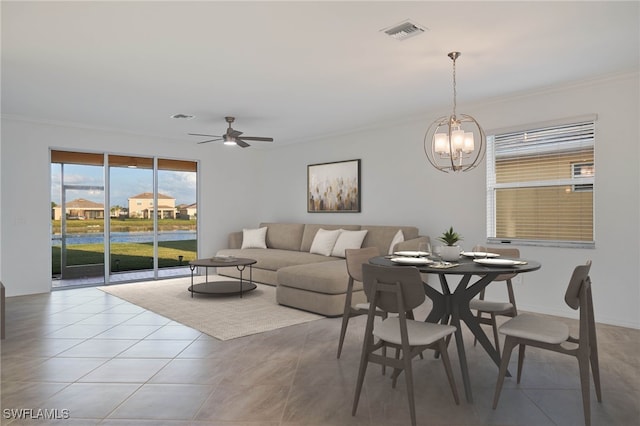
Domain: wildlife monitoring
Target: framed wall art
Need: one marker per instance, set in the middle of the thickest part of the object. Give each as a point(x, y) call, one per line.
point(333, 187)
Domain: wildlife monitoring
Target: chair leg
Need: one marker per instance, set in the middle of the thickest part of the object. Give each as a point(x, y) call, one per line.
point(364, 360)
point(509, 344)
point(520, 361)
point(494, 325)
point(595, 370)
point(408, 373)
point(343, 332)
point(345, 316)
point(384, 354)
point(396, 371)
point(447, 368)
point(585, 382)
point(478, 318)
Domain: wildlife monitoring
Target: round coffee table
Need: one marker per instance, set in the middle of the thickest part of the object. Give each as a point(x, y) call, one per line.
point(222, 287)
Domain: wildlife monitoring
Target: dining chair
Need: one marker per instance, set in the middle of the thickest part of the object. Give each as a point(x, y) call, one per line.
point(399, 290)
point(546, 333)
point(494, 308)
point(355, 258)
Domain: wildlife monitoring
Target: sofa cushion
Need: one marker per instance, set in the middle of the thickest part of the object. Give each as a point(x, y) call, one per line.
point(311, 229)
point(324, 241)
point(381, 236)
point(324, 277)
point(285, 236)
point(274, 259)
point(254, 238)
point(398, 238)
point(348, 240)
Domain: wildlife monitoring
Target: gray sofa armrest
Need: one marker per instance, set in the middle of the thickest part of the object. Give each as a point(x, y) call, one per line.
point(235, 240)
point(411, 244)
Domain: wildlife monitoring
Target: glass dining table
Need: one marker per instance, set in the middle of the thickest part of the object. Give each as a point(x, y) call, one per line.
point(451, 304)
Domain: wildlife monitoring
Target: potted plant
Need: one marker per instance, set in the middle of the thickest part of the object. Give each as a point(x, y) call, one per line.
point(451, 251)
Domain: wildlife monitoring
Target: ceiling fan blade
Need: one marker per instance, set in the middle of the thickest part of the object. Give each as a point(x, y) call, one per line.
point(211, 140)
point(256, 138)
point(241, 143)
point(234, 133)
point(200, 134)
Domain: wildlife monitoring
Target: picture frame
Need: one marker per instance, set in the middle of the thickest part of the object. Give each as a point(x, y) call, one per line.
point(334, 187)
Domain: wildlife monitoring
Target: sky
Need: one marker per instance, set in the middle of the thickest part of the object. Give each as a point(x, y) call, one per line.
point(125, 183)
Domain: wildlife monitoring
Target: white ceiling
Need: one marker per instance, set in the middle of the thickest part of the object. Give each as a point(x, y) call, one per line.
point(294, 71)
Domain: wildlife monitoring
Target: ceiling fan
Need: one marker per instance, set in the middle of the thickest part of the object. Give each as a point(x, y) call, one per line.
point(232, 136)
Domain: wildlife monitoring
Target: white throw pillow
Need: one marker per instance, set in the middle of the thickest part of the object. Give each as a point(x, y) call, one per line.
point(324, 241)
point(254, 238)
point(398, 238)
point(348, 240)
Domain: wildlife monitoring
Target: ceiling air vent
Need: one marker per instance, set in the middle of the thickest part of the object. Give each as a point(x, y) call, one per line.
point(404, 30)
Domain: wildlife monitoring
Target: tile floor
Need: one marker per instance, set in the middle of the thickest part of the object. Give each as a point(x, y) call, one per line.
point(120, 277)
point(103, 361)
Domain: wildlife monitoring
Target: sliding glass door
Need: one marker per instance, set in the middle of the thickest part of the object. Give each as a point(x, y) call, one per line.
point(131, 230)
point(151, 230)
point(177, 215)
point(77, 218)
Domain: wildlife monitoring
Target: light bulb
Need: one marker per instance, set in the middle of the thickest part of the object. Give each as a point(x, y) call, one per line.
point(468, 142)
point(457, 140)
point(441, 143)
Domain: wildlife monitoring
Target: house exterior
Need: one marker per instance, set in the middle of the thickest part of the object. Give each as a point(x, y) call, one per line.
point(141, 205)
point(79, 209)
point(188, 211)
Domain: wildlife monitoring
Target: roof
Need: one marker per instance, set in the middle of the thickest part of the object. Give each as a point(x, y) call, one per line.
point(149, 196)
point(81, 203)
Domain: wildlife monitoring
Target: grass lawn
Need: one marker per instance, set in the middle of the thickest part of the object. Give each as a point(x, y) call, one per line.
point(130, 256)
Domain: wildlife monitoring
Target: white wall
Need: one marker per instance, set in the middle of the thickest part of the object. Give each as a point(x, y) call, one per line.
point(226, 176)
point(239, 188)
point(400, 187)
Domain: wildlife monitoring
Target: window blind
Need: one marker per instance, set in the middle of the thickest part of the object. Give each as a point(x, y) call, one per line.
point(540, 184)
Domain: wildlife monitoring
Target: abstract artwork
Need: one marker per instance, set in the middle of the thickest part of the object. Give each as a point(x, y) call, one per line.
point(334, 187)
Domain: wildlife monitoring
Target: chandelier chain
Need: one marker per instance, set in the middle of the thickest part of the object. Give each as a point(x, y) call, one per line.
point(454, 88)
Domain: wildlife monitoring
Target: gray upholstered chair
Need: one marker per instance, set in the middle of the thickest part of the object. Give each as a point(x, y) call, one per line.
point(494, 308)
point(355, 258)
point(399, 290)
point(547, 333)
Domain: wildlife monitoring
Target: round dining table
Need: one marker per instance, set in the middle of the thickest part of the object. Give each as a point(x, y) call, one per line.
point(451, 304)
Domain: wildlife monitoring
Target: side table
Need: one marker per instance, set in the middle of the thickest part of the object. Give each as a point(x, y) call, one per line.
point(222, 287)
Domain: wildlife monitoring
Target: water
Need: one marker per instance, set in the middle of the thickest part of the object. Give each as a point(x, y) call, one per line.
point(123, 237)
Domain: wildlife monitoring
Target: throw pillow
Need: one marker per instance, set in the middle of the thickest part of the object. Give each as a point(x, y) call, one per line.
point(254, 238)
point(398, 238)
point(324, 241)
point(348, 240)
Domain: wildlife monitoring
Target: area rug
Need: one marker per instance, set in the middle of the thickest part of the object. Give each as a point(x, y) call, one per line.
point(222, 317)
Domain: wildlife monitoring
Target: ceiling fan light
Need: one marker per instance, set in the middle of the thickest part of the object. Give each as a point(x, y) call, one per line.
point(229, 140)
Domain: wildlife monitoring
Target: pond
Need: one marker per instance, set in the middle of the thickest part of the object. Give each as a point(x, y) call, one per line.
point(123, 237)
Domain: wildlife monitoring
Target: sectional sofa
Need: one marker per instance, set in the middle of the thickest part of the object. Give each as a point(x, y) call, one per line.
point(309, 274)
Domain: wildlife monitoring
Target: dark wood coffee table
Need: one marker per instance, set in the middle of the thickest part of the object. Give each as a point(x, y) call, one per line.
point(222, 287)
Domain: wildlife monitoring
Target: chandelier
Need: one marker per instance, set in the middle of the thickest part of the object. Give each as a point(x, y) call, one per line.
point(456, 142)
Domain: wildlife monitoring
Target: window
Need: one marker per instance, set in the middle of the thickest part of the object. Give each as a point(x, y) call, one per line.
point(96, 240)
point(579, 171)
point(540, 184)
